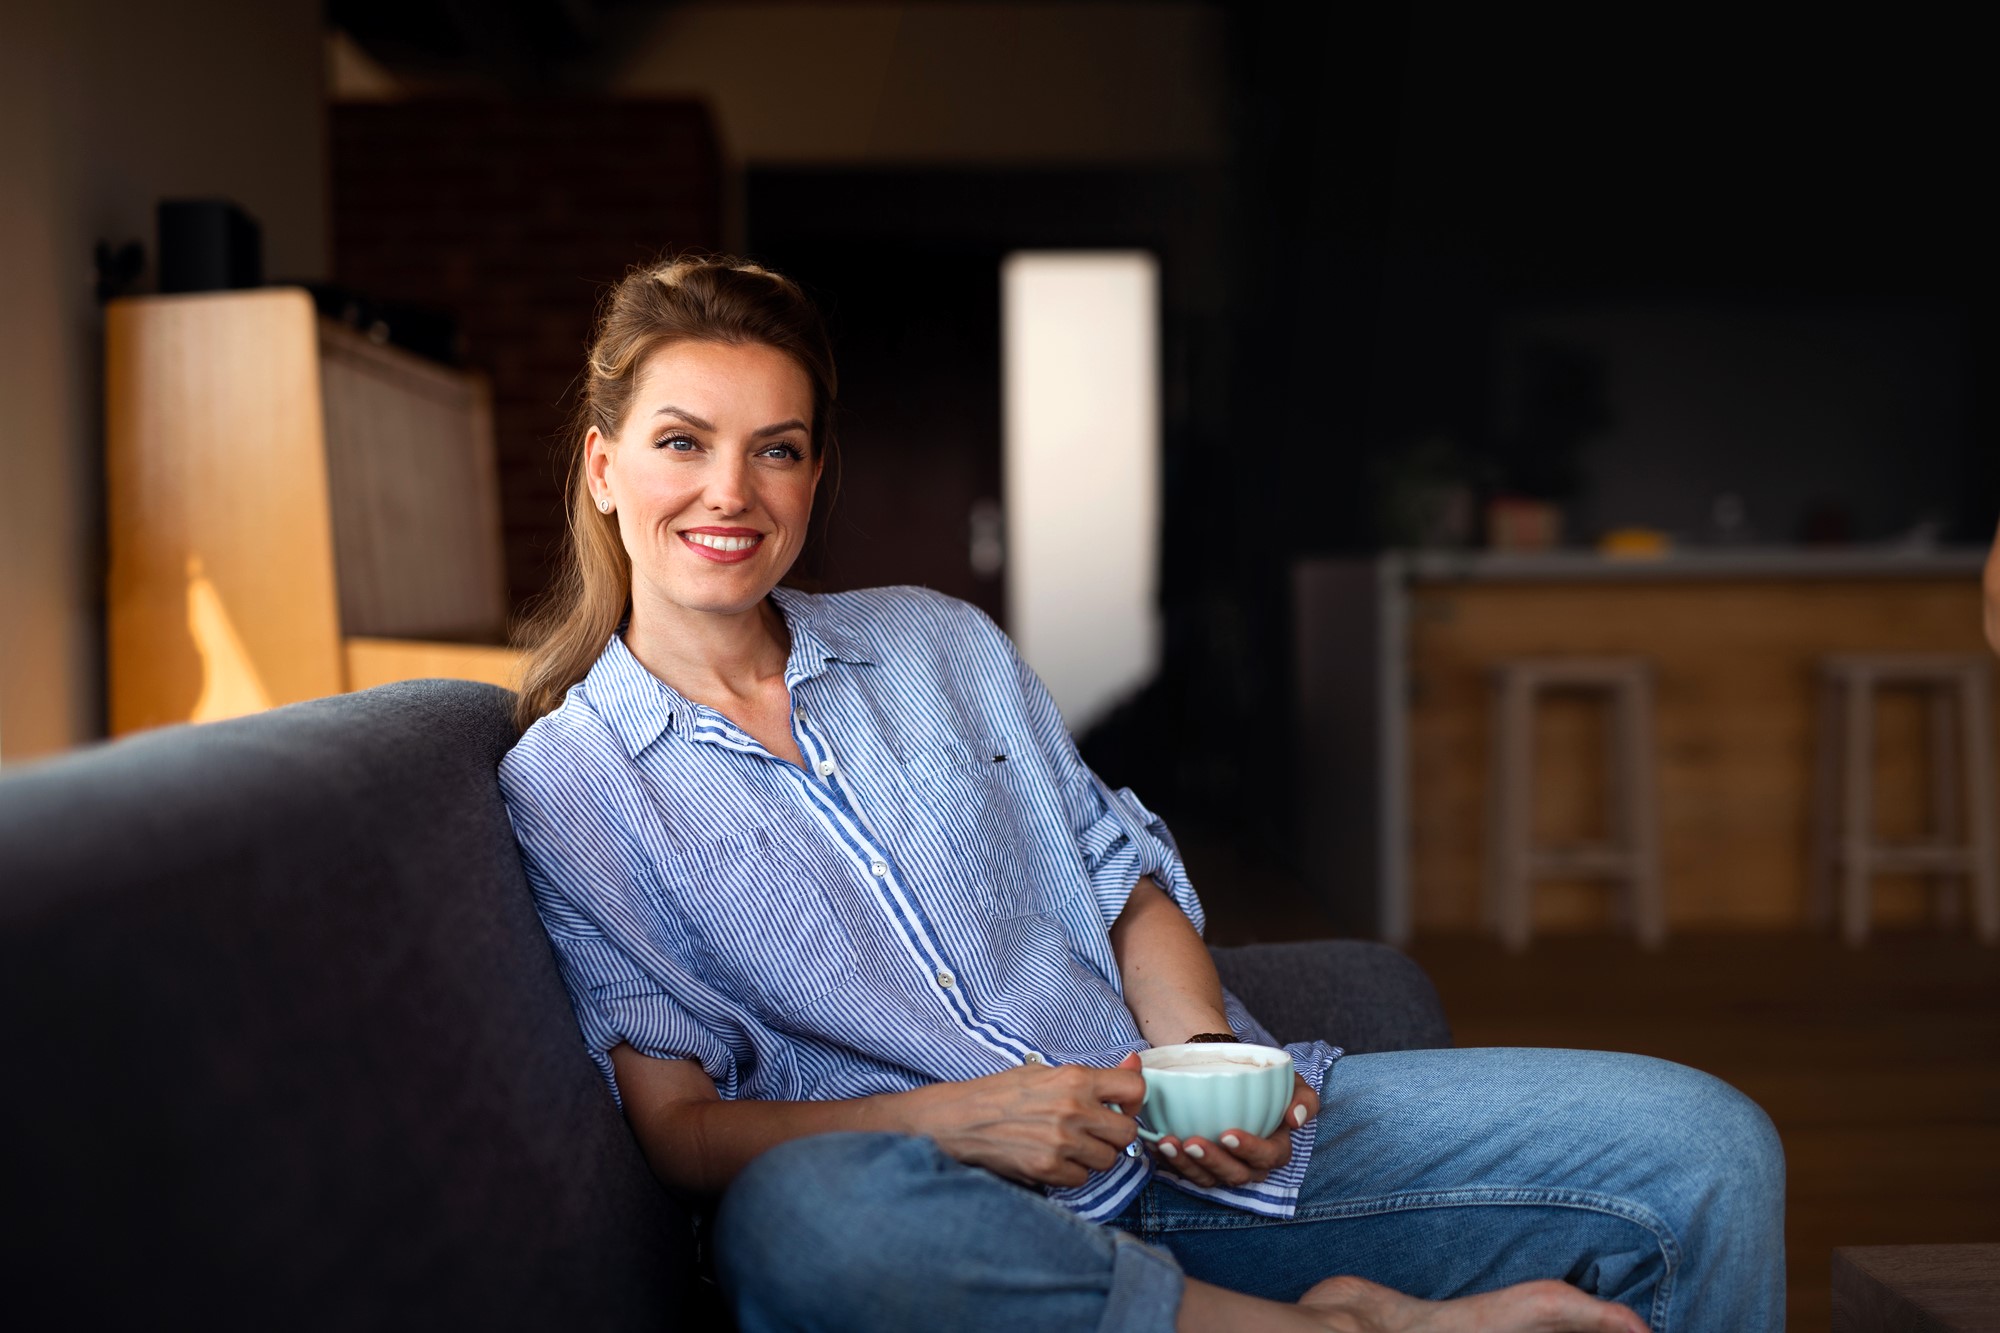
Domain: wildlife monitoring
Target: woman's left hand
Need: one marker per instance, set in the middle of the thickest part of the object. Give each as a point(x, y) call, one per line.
point(1237, 1157)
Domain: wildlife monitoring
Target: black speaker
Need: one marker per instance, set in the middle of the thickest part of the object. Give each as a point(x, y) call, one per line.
point(208, 245)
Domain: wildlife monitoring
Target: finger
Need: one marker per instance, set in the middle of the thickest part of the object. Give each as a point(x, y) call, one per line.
point(1129, 1062)
point(1257, 1153)
point(1558, 1306)
point(1220, 1164)
point(1053, 1163)
point(1104, 1125)
point(1626, 1321)
point(1094, 1154)
point(1124, 1085)
point(1304, 1107)
point(1182, 1164)
point(1174, 1154)
point(1068, 1176)
point(1591, 1315)
point(1028, 1170)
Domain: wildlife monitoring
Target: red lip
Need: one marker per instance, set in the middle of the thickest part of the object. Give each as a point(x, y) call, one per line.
point(713, 556)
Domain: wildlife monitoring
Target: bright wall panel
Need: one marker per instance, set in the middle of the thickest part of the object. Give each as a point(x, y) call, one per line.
point(1081, 448)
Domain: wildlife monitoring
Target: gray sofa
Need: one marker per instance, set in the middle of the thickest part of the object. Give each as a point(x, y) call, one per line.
point(285, 1046)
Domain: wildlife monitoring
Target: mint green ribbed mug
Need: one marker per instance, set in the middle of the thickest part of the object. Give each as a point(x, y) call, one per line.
point(1198, 1090)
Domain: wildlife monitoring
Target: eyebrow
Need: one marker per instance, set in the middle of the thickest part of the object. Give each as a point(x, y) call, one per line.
point(779, 429)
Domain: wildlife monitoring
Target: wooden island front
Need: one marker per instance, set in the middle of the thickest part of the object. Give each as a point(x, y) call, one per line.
point(1733, 638)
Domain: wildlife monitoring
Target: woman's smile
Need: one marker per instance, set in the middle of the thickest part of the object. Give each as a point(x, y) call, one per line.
point(725, 546)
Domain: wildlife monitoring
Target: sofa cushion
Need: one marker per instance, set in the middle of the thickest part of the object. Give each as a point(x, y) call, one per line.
point(1357, 994)
point(285, 1043)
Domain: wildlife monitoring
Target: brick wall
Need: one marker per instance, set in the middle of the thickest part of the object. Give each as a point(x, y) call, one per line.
point(512, 217)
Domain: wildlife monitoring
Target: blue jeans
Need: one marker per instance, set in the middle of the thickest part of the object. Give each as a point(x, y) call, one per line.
point(1437, 1173)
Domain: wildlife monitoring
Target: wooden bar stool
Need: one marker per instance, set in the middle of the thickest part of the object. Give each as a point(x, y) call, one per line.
point(1961, 844)
point(1629, 855)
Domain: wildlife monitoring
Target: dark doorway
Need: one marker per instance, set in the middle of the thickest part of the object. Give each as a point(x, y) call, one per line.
point(918, 342)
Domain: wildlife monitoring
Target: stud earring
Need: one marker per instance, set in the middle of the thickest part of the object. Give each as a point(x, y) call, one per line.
point(604, 505)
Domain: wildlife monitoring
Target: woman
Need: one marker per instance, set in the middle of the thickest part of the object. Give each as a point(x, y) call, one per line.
point(855, 936)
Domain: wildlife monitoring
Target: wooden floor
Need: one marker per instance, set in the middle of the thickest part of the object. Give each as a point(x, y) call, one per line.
point(1880, 1067)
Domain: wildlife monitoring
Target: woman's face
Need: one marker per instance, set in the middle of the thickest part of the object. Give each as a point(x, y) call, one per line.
point(711, 476)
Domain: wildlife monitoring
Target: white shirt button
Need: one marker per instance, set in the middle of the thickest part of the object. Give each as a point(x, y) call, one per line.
point(878, 868)
point(945, 979)
point(826, 768)
point(1032, 1058)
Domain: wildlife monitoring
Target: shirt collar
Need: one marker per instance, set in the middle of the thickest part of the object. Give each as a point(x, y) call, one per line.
point(639, 706)
point(817, 636)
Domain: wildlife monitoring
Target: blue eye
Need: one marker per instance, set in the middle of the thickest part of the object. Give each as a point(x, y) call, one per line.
point(673, 442)
point(786, 451)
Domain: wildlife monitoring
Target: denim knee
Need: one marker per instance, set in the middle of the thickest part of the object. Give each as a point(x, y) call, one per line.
point(1723, 1140)
point(1737, 1130)
point(1729, 1204)
point(782, 1229)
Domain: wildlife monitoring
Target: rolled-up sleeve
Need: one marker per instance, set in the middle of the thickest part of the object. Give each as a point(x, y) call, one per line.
point(1119, 838)
point(580, 874)
point(1125, 840)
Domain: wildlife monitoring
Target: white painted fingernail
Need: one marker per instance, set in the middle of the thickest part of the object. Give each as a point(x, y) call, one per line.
point(1299, 1114)
point(1194, 1151)
point(1231, 1142)
point(1168, 1150)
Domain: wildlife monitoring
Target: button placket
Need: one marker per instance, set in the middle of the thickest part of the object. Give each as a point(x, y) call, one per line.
point(944, 980)
point(944, 977)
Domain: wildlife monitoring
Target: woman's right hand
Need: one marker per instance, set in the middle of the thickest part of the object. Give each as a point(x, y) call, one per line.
point(1037, 1124)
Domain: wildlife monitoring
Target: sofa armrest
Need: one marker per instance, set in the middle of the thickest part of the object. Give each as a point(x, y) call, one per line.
point(348, 1089)
point(1354, 993)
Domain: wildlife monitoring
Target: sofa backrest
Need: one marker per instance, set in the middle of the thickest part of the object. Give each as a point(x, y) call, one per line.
point(285, 1045)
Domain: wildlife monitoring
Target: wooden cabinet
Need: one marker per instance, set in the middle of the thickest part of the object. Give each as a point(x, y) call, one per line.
point(293, 511)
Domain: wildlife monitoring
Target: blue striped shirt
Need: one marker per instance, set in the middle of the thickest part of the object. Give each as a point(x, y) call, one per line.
point(928, 899)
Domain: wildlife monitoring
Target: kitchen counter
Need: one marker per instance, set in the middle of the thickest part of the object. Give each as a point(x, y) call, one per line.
point(1393, 657)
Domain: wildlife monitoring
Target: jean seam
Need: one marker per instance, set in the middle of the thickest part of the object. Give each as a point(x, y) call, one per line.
point(1157, 1221)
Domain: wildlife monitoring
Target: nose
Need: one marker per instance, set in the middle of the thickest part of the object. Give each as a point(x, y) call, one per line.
point(728, 490)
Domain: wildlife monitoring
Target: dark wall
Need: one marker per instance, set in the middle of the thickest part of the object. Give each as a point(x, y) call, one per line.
point(511, 218)
point(1423, 182)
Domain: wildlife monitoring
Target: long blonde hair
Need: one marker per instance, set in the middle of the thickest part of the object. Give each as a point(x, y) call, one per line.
point(707, 299)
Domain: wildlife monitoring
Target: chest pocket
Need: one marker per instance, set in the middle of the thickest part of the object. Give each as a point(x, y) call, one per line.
point(981, 798)
point(763, 922)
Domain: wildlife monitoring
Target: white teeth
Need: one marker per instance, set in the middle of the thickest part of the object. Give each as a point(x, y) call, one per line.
point(716, 543)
